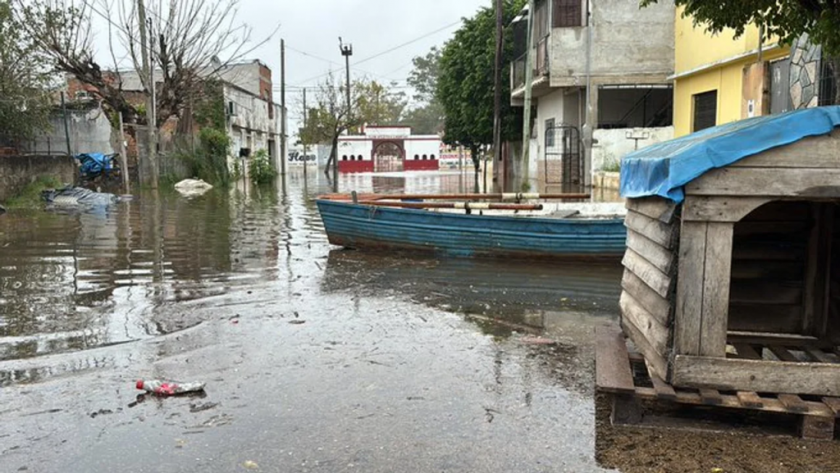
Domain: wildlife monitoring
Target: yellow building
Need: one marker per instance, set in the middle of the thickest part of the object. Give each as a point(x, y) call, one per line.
point(718, 79)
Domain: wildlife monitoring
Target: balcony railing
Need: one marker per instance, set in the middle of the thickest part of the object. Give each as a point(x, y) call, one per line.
point(541, 65)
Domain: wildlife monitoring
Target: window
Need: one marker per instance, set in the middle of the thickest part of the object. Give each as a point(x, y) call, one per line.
point(705, 110)
point(432, 157)
point(779, 87)
point(425, 157)
point(568, 13)
point(549, 133)
point(344, 158)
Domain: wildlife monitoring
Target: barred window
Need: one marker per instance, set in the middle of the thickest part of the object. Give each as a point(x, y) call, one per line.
point(568, 13)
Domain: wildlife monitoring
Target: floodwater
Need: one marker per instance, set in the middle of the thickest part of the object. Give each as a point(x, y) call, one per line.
point(315, 358)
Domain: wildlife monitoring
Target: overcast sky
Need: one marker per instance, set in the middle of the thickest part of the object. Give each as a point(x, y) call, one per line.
point(372, 26)
point(311, 29)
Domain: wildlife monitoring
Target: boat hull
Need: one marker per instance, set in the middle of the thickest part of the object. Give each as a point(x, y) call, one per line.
point(370, 227)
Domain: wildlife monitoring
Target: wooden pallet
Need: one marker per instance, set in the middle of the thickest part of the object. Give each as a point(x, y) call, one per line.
point(615, 367)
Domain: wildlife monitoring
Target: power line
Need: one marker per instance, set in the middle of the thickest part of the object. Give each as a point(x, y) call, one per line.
point(408, 43)
point(388, 51)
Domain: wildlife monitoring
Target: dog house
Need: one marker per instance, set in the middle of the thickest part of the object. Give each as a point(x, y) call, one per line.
point(732, 268)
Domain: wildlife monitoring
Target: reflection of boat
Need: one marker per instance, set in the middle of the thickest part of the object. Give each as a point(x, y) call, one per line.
point(363, 225)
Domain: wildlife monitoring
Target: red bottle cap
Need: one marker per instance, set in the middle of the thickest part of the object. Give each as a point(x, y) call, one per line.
point(140, 384)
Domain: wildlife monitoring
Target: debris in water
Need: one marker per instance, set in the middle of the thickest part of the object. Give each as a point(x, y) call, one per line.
point(168, 388)
point(203, 407)
point(192, 187)
point(297, 322)
point(251, 465)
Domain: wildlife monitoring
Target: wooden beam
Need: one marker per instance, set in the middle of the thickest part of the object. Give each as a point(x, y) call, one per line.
point(767, 404)
point(782, 353)
point(818, 355)
point(812, 152)
point(793, 403)
point(765, 182)
point(663, 390)
point(752, 375)
point(816, 427)
point(747, 351)
point(655, 334)
point(710, 396)
point(612, 367)
point(653, 252)
point(762, 338)
point(833, 403)
point(720, 209)
point(654, 230)
point(656, 208)
point(749, 399)
point(650, 274)
point(692, 264)
point(716, 280)
point(655, 361)
point(656, 305)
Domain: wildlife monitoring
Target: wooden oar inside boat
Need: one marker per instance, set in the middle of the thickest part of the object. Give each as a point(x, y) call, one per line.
point(452, 205)
point(514, 196)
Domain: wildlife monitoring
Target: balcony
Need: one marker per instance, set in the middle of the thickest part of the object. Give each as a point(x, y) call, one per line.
point(540, 72)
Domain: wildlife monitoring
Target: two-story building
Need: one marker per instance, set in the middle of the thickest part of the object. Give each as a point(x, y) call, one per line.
point(622, 56)
point(253, 120)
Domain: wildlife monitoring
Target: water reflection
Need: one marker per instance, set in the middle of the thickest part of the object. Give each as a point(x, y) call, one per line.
point(500, 297)
point(70, 282)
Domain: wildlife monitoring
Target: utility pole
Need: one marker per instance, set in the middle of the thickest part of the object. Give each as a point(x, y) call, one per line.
point(346, 51)
point(123, 155)
point(529, 79)
point(66, 126)
point(497, 113)
point(283, 139)
point(148, 75)
point(303, 140)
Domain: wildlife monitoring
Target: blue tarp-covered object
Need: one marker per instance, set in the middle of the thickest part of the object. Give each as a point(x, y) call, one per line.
point(95, 163)
point(663, 169)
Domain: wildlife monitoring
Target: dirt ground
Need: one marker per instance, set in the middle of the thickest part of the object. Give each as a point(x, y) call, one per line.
point(631, 449)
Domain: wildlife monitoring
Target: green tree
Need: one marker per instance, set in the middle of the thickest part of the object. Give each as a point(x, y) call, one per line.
point(426, 116)
point(25, 100)
point(785, 19)
point(465, 86)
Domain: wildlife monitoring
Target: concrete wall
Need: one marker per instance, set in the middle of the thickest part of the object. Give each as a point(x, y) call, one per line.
point(612, 145)
point(90, 132)
point(629, 45)
point(16, 172)
point(252, 125)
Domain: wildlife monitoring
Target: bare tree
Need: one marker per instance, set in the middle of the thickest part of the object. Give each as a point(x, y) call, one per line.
point(188, 42)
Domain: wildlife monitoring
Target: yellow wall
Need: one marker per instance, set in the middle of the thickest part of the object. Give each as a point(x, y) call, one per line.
point(694, 48)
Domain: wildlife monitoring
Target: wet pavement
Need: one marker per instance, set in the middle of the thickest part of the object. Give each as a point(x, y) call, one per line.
point(315, 358)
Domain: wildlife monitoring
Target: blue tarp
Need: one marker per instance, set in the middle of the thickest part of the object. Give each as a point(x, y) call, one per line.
point(663, 169)
point(95, 163)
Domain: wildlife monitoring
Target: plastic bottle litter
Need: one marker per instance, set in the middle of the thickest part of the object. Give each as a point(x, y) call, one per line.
point(168, 388)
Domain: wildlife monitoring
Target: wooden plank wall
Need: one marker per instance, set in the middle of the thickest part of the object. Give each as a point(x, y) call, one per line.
point(768, 268)
point(650, 263)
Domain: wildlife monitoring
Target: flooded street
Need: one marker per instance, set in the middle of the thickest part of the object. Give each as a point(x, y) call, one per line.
point(315, 358)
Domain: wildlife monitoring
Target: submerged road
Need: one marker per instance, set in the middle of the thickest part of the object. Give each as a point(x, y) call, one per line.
point(315, 358)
